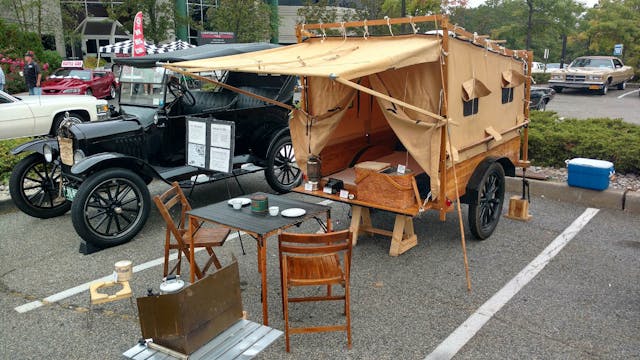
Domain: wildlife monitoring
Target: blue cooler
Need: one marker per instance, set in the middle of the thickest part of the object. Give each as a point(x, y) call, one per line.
point(589, 173)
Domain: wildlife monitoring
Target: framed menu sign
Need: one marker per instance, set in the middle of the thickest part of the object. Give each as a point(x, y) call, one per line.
point(210, 143)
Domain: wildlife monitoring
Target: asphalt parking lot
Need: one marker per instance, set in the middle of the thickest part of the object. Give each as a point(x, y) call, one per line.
point(583, 302)
point(617, 104)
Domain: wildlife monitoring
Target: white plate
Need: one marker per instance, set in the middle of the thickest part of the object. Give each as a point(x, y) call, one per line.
point(293, 212)
point(245, 201)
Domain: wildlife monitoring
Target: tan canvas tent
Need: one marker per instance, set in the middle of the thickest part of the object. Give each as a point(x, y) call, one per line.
point(459, 98)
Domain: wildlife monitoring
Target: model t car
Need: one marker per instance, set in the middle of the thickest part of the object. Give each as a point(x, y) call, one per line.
point(101, 170)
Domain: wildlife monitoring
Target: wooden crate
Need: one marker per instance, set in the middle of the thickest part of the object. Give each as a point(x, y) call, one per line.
point(391, 189)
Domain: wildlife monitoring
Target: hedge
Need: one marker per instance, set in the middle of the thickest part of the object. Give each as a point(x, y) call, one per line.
point(8, 161)
point(552, 140)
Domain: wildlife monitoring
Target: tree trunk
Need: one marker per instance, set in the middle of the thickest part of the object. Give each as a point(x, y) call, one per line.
point(529, 23)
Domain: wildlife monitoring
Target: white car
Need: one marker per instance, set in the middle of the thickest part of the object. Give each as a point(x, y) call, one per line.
point(41, 115)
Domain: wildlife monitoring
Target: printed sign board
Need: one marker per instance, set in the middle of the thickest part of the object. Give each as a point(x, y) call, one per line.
point(617, 49)
point(216, 37)
point(210, 144)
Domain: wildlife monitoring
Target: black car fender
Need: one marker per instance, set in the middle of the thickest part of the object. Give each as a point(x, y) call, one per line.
point(473, 185)
point(101, 161)
point(36, 146)
point(274, 138)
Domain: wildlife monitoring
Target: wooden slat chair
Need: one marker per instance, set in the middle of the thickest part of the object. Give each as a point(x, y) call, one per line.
point(207, 238)
point(314, 259)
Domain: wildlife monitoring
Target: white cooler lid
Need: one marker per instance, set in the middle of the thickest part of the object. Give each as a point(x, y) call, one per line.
point(602, 164)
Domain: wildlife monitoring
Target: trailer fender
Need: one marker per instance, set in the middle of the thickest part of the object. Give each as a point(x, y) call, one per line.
point(473, 185)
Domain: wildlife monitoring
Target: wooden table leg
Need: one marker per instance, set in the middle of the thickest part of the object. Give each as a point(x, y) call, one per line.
point(329, 225)
point(192, 257)
point(262, 266)
point(356, 215)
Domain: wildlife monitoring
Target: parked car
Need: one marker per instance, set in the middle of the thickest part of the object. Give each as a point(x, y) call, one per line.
point(537, 67)
point(540, 97)
point(105, 166)
point(551, 66)
point(75, 80)
point(26, 116)
point(597, 73)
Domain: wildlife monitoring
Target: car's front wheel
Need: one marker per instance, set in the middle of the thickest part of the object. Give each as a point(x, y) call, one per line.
point(282, 172)
point(74, 118)
point(605, 89)
point(542, 105)
point(34, 186)
point(112, 92)
point(111, 207)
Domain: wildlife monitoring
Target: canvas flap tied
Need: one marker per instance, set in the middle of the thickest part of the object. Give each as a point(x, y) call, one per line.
point(473, 89)
point(512, 78)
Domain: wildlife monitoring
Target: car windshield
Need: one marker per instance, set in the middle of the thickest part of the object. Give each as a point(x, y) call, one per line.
point(143, 86)
point(72, 73)
point(586, 62)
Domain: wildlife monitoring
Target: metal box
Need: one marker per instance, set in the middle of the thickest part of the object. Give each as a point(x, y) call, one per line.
point(589, 173)
point(186, 320)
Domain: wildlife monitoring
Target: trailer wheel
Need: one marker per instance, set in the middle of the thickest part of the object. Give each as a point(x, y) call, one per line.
point(485, 211)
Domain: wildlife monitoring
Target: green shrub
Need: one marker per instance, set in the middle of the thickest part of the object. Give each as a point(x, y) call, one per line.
point(541, 78)
point(553, 140)
point(8, 161)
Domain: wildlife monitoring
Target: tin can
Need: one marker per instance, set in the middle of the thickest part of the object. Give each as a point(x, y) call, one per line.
point(260, 204)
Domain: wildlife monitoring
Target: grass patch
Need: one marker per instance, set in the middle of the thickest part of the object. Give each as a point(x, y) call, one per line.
point(552, 141)
point(8, 161)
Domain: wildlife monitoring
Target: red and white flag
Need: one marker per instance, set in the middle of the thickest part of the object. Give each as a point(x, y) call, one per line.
point(138, 37)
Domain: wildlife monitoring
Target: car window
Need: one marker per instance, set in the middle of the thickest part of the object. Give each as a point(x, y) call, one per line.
point(586, 62)
point(617, 63)
point(143, 86)
point(72, 73)
point(4, 100)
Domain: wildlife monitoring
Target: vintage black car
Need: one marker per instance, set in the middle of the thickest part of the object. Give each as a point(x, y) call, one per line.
point(540, 97)
point(104, 167)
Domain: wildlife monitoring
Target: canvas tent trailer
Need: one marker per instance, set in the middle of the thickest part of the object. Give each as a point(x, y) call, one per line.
point(452, 109)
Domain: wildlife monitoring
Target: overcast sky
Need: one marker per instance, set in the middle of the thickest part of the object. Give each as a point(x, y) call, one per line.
point(588, 3)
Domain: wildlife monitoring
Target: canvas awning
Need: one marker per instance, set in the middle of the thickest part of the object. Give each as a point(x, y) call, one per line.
point(332, 57)
point(404, 73)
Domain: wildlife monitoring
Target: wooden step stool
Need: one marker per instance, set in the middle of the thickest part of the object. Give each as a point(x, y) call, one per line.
point(97, 297)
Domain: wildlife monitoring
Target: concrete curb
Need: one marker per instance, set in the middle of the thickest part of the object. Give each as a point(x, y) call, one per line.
point(608, 199)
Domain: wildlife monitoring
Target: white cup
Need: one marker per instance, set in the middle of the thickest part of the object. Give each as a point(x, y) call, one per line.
point(274, 210)
point(237, 204)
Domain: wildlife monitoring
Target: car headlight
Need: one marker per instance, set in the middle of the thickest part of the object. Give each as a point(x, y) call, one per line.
point(47, 152)
point(71, 91)
point(102, 108)
point(78, 155)
point(557, 77)
point(594, 77)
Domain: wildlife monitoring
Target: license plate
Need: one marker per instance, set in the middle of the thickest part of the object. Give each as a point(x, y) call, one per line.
point(69, 193)
point(594, 87)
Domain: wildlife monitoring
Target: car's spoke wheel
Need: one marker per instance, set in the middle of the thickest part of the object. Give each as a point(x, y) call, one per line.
point(282, 172)
point(35, 187)
point(485, 211)
point(111, 207)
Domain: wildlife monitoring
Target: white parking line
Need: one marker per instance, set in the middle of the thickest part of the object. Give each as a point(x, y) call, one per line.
point(452, 344)
point(628, 93)
point(84, 287)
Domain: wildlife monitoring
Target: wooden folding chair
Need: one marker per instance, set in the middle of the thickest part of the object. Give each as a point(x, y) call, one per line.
point(314, 259)
point(207, 238)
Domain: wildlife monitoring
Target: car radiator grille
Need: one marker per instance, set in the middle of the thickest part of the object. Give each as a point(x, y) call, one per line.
point(576, 78)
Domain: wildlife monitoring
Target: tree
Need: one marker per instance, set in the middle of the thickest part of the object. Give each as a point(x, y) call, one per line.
point(158, 16)
point(248, 19)
point(612, 22)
